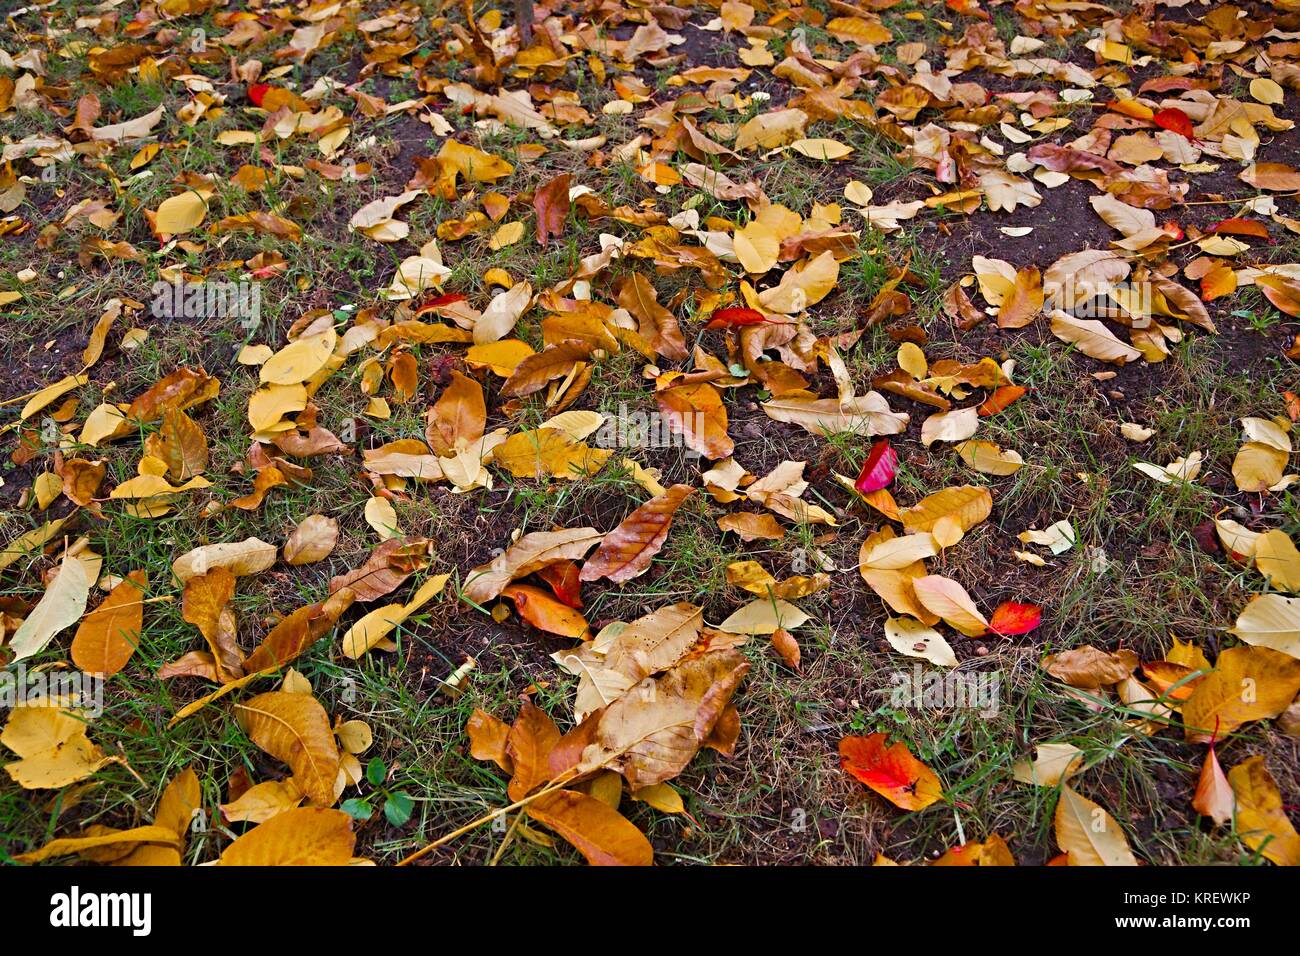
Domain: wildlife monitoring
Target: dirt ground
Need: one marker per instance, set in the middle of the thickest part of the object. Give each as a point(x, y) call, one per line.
point(1147, 565)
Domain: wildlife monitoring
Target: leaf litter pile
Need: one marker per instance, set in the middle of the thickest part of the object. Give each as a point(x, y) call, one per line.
point(747, 432)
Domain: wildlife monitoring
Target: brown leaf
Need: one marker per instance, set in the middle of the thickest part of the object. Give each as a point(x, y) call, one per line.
point(552, 205)
point(554, 361)
point(627, 551)
point(387, 568)
point(530, 553)
point(181, 443)
point(656, 324)
point(81, 479)
point(1024, 303)
point(459, 413)
point(752, 527)
point(1089, 668)
point(297, 632)
point(654, 730)
point(205, 604)
point(180, 390)
point(313, 540)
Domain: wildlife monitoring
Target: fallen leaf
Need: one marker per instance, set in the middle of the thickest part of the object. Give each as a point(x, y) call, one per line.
point(890, 771)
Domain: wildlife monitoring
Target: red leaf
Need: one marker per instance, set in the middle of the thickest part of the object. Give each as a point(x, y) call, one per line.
point(257, 91)
point(1176, 120)
point(730, 318)
point(437, 302)
point(1012, 617)
point(1001, 398)
point(562, 578)
point(879, 468)
point(1240, 227)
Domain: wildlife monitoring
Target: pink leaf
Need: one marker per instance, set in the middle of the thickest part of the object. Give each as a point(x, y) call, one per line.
point(879, 468)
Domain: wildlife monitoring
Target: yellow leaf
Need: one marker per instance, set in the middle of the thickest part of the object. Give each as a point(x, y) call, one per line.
point(382, 516)
point(69, 845)
point(50, 393)
point(948, 599)
point(912, 360)
point(802, 287)
point(967, 504)
point(61, 605)
point(180, 214)
point(1271, 620)
point(988, 458)
point(1261, 822)
point(53, 745)
point(763, 616)
point(299, 360)
point(1247, 683)
point(294, 728)
point(757, 246)
point(507, 235)
point(305, 836)
point(543, 452)
point(1089, 835)
point(1264, 90)
point(1278, 560)
point(474, 164)
point(270, 404)
point(824, 149)
point(1050, 764)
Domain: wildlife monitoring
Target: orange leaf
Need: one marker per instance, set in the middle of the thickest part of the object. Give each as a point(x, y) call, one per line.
point(529, 744)
point(563, 579)
point(108, 635)
point(1024, 303)
point(598, 831)
point(1214, 797)
point(890, 771)
point(697, 414)
point(1282, 291)
point(1001, 398)
point(1012, 617)
point(1163, 675)
point(656, 324)
point(536, 606)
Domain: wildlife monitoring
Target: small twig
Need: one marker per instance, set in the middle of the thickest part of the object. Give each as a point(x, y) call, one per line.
point(486, 818)
point(1221, 202)
point(505, 841)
